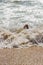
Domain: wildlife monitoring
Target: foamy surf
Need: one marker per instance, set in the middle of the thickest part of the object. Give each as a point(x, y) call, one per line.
point(14, 16)
point(21, 39)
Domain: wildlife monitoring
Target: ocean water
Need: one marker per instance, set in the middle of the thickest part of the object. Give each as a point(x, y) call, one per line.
point(15, 13)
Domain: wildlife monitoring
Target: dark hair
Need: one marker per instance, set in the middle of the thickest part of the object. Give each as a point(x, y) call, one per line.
point(26, 26)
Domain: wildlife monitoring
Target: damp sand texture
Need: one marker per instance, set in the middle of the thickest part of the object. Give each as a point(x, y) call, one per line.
point(23, 56)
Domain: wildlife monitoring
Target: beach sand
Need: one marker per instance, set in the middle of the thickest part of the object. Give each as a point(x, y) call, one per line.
point(22, 56)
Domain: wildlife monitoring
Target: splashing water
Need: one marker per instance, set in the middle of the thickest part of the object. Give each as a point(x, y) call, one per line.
point(14, 14)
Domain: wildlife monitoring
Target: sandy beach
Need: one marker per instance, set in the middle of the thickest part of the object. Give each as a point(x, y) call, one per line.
point(23, 56)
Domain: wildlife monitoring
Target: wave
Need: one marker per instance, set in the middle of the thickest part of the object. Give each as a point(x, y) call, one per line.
point(16, 0)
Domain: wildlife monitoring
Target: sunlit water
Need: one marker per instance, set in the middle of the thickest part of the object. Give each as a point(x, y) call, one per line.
point(16, 13)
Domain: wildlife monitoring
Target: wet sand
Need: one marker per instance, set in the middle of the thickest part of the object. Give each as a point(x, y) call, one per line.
point(22, 56)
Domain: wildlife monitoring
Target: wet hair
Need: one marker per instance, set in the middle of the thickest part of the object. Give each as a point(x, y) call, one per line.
point(26, 26)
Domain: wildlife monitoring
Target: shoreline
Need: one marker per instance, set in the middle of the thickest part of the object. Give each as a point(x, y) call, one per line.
point(21, 38)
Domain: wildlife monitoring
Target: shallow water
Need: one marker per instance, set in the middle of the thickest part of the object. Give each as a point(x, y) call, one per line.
point(13, 16)
point(16, 13)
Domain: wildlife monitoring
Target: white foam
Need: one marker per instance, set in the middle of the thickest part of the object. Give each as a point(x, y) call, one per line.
point(40, 1)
